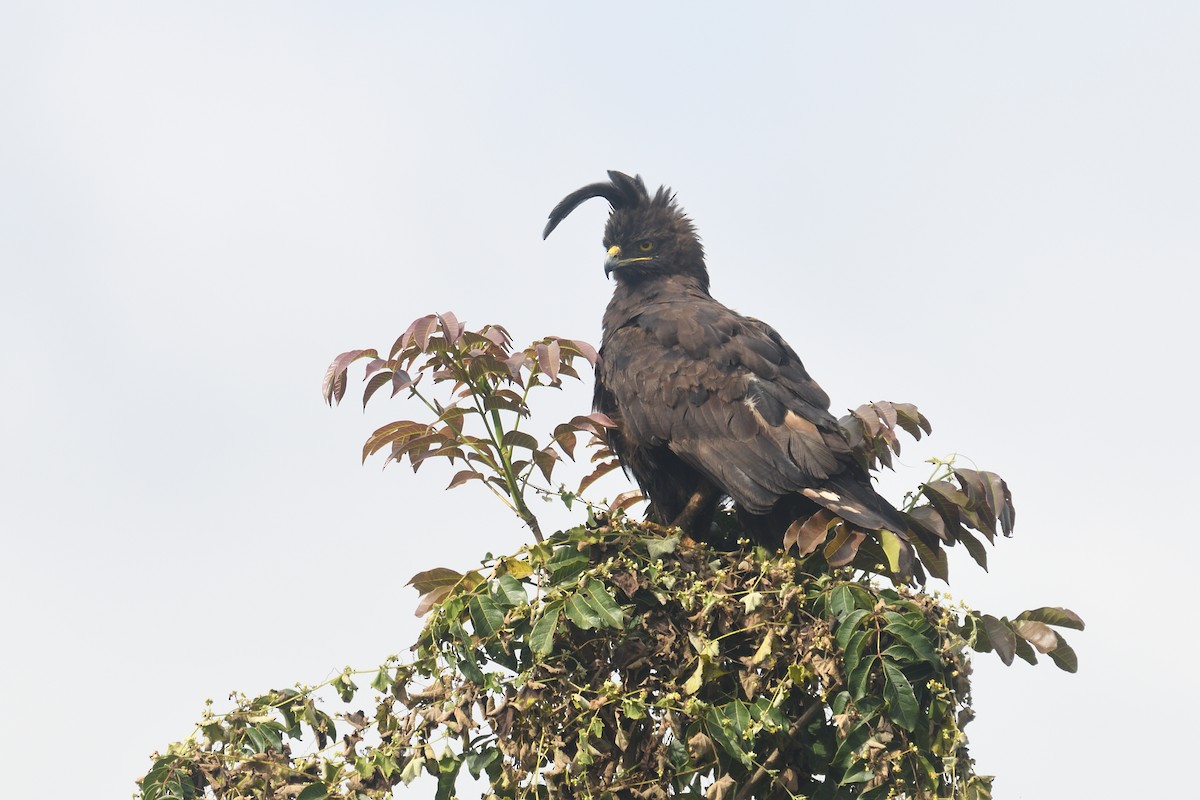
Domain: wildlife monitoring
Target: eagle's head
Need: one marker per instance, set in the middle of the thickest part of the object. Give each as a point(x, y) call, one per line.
point(646, 236)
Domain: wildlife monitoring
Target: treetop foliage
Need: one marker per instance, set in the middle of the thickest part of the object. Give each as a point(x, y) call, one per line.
point(617, 659)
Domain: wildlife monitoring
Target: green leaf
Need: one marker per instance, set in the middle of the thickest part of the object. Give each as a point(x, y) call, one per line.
point(412, 770)
point(658, 546)
point(856, 682)
point(901, 653)
point(479, 760)
point(383, 680)
point(509, 592)
point(580, 612)
point(469, 667)
point(891, 545)
point(314, 791)
point(853, 651)
point(921, 646)
point(541, 638)
point(1025, 652)
point(847, 626)
point(898, 692)
point(567, 564)
point(486, 616)
point(855, 738)
point(718, 728)
point(1064, 656)
point(841, 600)
point(858, 776)
point(738, 714)
point(693, 684)
point(345, 687)
point(605, 604)
point(448, 768)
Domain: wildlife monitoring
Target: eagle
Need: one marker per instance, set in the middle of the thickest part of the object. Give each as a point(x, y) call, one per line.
point(710, 404)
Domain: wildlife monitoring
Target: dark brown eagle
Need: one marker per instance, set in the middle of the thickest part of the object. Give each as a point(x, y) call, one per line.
point(709, 403)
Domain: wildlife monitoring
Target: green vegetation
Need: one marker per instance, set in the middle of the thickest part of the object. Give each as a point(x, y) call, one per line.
point(618, 659)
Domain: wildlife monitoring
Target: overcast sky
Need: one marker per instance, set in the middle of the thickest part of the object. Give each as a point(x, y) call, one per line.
point(990, 210)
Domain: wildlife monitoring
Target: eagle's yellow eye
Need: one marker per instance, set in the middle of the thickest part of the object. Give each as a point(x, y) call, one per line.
point(645, 245)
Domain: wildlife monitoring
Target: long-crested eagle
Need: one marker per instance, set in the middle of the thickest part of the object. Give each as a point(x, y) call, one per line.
point(710, 403)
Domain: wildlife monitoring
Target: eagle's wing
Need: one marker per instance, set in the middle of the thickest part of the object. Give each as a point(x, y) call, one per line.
point(728, 396)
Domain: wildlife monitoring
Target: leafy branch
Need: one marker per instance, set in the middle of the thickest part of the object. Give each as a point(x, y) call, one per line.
point(482, 381)
point(619, 659)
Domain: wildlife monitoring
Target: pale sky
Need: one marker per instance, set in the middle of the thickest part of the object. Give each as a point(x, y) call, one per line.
point(987, 209)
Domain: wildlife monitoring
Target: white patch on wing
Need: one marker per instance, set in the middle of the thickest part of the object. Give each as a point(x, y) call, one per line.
point(833, 501)
point(799, 423)
point(751, 402)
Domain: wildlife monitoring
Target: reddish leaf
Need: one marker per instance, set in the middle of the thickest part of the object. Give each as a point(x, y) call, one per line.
point(435, 584)
point(1051, 615)
point(545, 459)
point(1001, 501)
point(947, 499)
point(374, 384)
point(398, 345)
point(435, 452)
point(519, 439)
point(516, 362)
point(844, 546)
point(931, 521)
point(1025, 652)
point(390, 433)
point(452, 329)
point(337, 390)
point(886, 412)
point(564, 437)
point(978, 501)
point(593, 423)
point(431, 599)
point(624, 500)
point(974, 547)
point(1038, 634)
point(422, 329)
point(502, 401)
point(374, 366)
point(497, 335)
point(911, 420)
point(483, 456)
point(869, 419)
point(853, 428)
point(431, 579)
point(933, 557)
point(462, 477)
point(1001, 637)
point(401, 381)
point(599, 472)
point(333, 385)
point(549, 357)
point(808, 534)
point(416, 445)
point(584, 349)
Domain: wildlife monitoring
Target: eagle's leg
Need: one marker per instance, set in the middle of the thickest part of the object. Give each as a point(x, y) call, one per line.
point(696, 517)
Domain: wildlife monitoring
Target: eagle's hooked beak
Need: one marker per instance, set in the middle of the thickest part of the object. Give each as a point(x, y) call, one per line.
point(615, 262)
